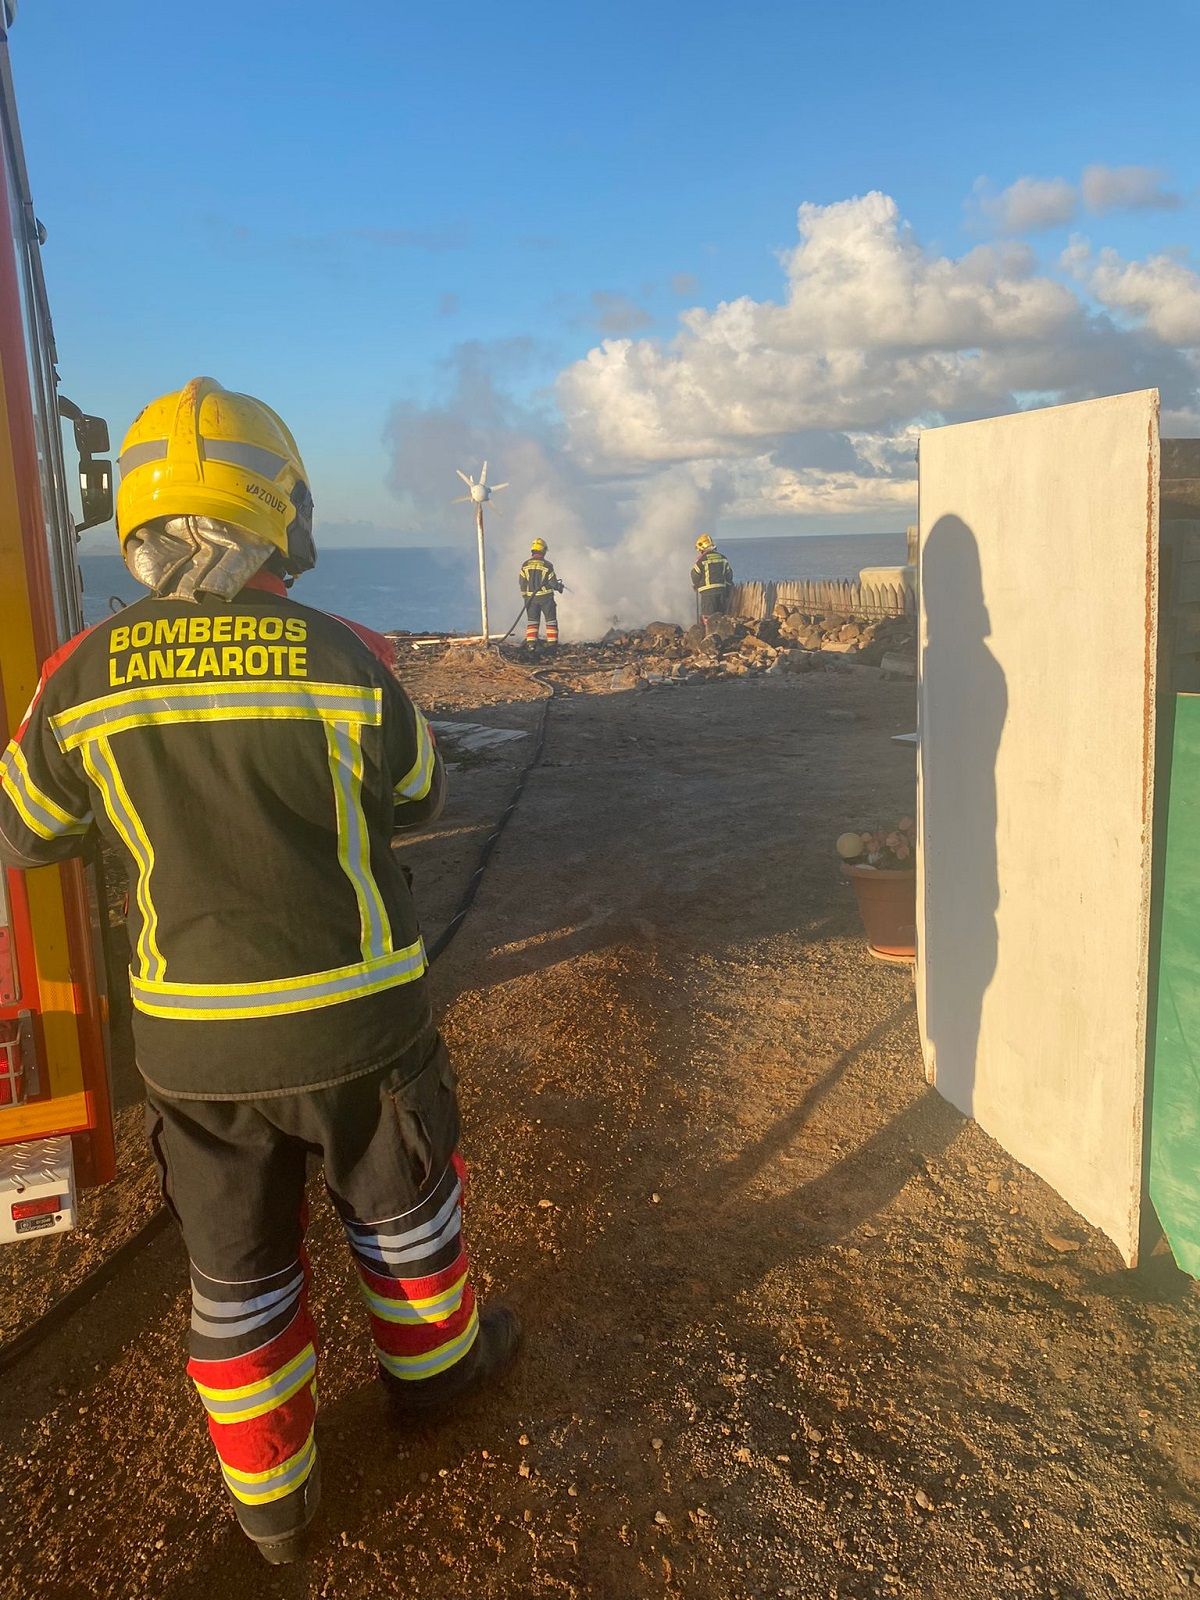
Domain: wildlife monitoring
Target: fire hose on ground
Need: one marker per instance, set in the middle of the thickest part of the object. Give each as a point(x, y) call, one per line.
point(92, 1282)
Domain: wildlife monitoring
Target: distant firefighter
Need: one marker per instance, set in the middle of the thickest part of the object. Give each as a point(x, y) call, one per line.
point(539, 585)
point(712, 579)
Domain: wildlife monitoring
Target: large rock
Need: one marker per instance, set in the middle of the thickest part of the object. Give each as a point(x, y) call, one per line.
point(725, 628)
point(799, 629)
point(802, 660)
point(694, 637)
point(754, 646)
point(661, 632)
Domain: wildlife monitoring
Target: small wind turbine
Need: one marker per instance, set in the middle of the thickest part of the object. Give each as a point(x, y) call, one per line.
point(478, 495)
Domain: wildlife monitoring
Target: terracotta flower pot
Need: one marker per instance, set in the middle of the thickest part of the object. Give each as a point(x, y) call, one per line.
point(887, 903)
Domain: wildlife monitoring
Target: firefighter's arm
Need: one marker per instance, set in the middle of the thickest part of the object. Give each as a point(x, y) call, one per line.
point(418, 775)
point(697, 576)
point(45, 809)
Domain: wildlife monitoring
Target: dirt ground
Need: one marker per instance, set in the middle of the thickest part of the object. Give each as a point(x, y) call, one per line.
point(795, 1328)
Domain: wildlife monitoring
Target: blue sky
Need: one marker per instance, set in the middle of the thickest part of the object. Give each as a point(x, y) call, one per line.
point(325, 204)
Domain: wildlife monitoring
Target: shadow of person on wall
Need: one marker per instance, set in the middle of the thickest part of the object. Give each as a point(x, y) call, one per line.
point(964, 704)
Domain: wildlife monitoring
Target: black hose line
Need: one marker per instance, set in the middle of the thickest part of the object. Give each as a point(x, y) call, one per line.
point(92, 1282)
point(489, 844)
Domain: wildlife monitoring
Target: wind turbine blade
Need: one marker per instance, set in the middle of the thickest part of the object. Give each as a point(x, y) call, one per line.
point(492, 506)
point(496, 486)
point(483, 473)
point(464, 478)
point(462, 500)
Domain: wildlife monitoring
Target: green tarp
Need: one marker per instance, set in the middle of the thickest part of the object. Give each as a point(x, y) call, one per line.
point(1175, 1108)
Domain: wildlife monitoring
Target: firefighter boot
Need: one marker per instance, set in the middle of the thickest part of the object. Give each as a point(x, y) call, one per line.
point(490, 1357)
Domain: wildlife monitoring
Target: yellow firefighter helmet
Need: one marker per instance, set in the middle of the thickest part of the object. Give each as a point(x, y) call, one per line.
point(204, 451)
point(704, 542)
point(538, 547)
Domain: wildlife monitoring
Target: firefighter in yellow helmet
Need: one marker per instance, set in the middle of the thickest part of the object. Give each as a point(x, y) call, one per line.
point(539, 586)
point(712, 579)
point(249, 759)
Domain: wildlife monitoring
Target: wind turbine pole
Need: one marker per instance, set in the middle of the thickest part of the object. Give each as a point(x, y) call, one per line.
point(478, 495)
point(482, 572)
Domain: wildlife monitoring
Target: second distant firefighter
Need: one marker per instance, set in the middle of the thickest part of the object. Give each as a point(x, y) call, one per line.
point(712, 579)
point(540, 585)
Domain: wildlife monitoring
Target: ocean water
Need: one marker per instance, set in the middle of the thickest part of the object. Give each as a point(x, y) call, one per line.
point(437, 590)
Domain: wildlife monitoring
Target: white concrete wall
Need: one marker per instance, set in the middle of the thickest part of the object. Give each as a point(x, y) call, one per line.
point(1039, 537)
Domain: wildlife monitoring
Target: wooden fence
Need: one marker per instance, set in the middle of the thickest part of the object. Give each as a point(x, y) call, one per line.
point(824, 597)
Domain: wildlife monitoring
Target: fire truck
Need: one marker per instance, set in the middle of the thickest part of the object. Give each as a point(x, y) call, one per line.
point(55, 1103)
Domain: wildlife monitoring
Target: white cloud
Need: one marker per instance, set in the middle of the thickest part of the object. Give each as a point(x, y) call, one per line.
point(873, 335)
point(1031, 205)
point(1161, 291)
point(1126, 189)
point(1028, 205)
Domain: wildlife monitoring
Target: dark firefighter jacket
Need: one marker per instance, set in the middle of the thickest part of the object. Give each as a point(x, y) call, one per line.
point(712, 571)
point(248, 761)
point(538, 579)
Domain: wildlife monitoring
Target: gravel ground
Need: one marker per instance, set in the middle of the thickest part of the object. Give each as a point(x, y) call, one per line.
point(795, 1327)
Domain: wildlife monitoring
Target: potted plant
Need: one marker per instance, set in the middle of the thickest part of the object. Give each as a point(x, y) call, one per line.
point(882, 870)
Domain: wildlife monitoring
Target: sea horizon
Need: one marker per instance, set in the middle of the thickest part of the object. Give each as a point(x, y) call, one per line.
point(419, 588)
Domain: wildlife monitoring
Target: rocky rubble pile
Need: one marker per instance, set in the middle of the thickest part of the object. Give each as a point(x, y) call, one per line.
point(788, 642)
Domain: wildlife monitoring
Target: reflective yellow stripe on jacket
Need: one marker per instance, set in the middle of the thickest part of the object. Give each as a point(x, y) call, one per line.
point(198, 1002)
point(343, 710)
point(536, 575)
point(102, 769)
point(705, 569)
point(39, 813)
point(418, 780)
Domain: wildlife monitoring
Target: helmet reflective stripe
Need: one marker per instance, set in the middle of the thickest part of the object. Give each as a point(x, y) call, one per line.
point(138, 455)
point(254, 457)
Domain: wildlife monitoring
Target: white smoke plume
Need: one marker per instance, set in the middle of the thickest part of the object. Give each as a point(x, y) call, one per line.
point(623, 547)
point(641, 577)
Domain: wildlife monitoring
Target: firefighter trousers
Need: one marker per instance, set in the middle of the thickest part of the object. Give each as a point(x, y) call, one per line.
point(233, 1173)
point(537, 607)
point(712, 604)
